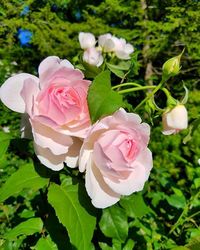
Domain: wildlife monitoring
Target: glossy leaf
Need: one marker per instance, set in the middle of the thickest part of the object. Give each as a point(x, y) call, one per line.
point(102, 100)
point(24, 177)
point(114, 223)
point(78, 222)
point(28, 227)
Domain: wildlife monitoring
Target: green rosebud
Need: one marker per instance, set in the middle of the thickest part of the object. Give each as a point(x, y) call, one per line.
point(172, 66)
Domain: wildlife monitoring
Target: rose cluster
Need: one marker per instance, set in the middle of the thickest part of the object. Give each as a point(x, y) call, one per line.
point(107, 43)
point(113, 152)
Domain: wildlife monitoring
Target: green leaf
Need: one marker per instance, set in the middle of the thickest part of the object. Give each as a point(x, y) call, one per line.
point(176, 200)
point(197, 182)
point(102, 100)
point(194, 244)
point(104, 246)
point(116, 70)
point(129, 245)
point(79, 223)
point(28, 227)
point(24, 177)
point(191, 129)
point(114, 223)
point(4, 143)
point(90, 71)
point(45, 244)
point(135, 205)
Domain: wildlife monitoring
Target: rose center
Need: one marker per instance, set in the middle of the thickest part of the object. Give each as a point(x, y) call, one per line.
point(129, 149)
point(64, 97)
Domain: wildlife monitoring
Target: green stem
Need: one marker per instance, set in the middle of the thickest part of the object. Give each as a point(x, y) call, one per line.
point(126, 84)
point(159, 86)
point(125, 91)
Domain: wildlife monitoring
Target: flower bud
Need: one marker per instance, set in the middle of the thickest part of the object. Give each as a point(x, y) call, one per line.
point(86, 40)
point(175, 120)
point(172, 66)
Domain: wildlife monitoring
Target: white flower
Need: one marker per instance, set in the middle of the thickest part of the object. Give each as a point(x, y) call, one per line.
point(175, 120)
point(121, 48)
point(86, 40)
point(110, 43)
point(93, 56)
point(106, 43)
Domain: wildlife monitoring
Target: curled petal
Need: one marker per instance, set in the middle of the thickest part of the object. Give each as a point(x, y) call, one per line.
point(47, 158)
point(46, 137)
point(53, 69)
point(102, 196)
point(10, 91)
point(136, 180)
point(73, 153)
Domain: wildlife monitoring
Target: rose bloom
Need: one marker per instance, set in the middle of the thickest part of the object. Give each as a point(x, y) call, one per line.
point(175, 120)
point(54, 107)
point(115, 157)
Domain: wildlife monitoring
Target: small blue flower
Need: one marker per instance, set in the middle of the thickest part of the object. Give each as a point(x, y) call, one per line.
point(24, 37)
point(78, 15)
point(25, 11)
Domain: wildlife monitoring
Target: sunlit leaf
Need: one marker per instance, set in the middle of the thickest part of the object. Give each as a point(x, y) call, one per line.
point(24, 177)
point(79, 223)
point(45, 244)
point(28, 227)
point(102, 100)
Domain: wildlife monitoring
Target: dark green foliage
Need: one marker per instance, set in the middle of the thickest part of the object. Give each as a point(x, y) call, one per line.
point(165, 214)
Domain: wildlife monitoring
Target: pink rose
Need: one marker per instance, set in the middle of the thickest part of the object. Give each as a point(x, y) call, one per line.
point(116, 158)
point(56, 104)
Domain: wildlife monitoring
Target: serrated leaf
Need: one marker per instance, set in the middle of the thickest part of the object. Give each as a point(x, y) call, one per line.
point(114, 223)
point(4, 143)
point(24, 177)
point(45, 244)
point(102, 100)
point(78, 222)
point(135, 205)
point(28, 227)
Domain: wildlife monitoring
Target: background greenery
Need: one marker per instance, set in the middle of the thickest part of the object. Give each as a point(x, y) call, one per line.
point(165, 214)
